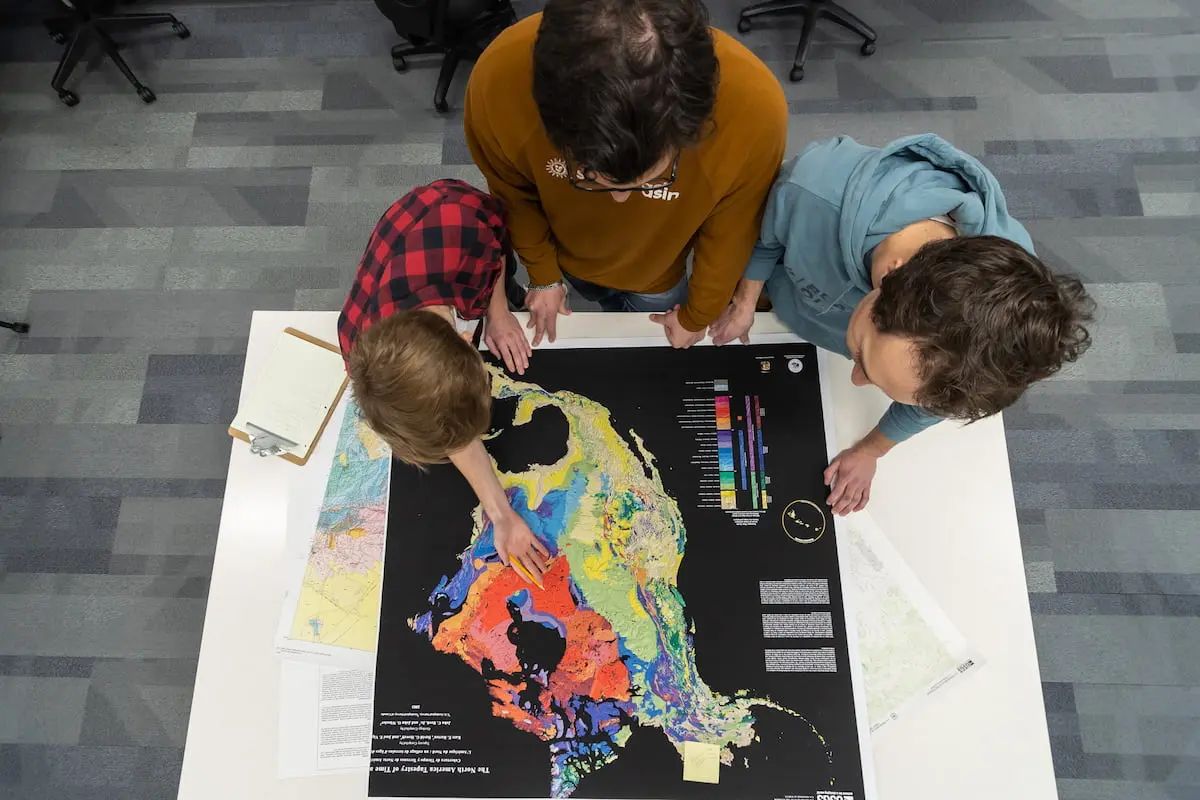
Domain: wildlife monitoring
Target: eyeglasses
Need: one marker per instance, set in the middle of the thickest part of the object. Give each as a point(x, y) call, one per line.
point(588, 182)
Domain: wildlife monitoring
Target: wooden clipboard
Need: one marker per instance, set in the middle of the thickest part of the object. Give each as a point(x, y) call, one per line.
point(301, 459)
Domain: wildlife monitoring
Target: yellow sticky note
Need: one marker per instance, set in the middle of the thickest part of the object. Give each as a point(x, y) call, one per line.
point(701, 762)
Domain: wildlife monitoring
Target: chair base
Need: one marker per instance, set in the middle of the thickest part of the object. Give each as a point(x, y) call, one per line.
point(468, 46)
point(16, 327)
point(81, 30)
point(814, 10)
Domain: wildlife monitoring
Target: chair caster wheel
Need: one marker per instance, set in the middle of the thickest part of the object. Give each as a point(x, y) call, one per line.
point(441, 105)
point(399, 64)
point(867, 49)
point(181, 30)
point(58, 38)
point(146, 95)
point(743, 25)
point(68, 97)
point(796, 75)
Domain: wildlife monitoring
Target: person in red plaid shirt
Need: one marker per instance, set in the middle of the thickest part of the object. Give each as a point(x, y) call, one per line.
point(439, 253)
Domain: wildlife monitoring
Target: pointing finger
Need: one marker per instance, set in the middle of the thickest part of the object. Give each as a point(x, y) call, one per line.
point(535, 567)
point(539, 330)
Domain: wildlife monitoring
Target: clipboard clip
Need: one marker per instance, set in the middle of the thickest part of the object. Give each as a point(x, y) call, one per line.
point(264, 443)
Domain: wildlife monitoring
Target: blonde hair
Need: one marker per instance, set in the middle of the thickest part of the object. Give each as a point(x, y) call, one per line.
point(420, 386)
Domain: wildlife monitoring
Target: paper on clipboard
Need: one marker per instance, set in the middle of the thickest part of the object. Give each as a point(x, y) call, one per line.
point(294, 396)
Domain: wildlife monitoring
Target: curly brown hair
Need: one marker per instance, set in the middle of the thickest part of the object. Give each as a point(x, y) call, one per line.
point(988, 319)
point(621, 83)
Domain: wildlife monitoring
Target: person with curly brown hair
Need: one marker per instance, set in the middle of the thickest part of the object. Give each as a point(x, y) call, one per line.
point(905, 259)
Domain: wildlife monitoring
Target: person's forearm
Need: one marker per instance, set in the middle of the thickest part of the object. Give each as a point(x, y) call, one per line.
point(527, 222)
point(875, 443)
point(711, 288)
point(498, 305)
point(902, 421)
point(476, 466)
point(748, 291)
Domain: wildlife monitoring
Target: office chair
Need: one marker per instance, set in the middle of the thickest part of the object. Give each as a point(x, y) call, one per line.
point(458, 29)
point(90, 21)
point(16, 327)
point(813, 11)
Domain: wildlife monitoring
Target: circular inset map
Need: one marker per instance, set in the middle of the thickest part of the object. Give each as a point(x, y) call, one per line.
point(803, 521)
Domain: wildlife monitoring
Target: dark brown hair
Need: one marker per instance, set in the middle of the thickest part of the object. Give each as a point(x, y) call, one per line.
point(621, 83)
point(420, 386)
point(988, 319)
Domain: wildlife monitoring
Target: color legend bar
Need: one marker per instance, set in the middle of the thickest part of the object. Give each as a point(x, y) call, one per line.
point(725, 452)
point(752, 440)
point(762, 452)
point(730, 458)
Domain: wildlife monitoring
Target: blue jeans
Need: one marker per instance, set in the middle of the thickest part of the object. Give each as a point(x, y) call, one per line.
point(619, 300)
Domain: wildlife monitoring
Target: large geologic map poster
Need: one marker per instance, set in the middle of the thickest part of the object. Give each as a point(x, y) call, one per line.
point(689, 638)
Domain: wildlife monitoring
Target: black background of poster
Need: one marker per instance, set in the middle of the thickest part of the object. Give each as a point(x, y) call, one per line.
point(429, 524)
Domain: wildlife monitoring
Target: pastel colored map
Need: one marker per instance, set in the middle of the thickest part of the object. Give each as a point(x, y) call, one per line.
point(338, 602)
point(605, 643)
point(908, 647)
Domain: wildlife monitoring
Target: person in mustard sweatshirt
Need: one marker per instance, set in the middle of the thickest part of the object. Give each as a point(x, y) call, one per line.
point(622, 136)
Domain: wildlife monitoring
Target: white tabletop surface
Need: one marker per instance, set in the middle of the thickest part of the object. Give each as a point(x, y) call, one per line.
point(944, 499)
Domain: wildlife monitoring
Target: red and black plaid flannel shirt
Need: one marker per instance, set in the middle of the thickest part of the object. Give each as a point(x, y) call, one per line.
point(440, 244)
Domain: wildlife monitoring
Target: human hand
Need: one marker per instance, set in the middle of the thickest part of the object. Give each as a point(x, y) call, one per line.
point(507, 341)
point(544, 307)
point(679, 337)
point(515, 542)
point(734, 323)
point(849, 477)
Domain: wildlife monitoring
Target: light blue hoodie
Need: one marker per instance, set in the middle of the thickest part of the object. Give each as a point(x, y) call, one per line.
point(836, 201)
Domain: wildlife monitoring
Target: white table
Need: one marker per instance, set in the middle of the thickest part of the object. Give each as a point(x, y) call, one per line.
point(955, 525)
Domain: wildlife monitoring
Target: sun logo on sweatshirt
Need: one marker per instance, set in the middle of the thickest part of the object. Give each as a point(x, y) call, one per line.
point(557, 167)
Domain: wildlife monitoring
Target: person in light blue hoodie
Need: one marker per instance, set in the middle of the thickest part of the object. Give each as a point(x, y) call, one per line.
point(904, 258)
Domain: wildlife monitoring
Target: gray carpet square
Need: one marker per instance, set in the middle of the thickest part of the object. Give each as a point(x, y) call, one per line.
point(137, 240)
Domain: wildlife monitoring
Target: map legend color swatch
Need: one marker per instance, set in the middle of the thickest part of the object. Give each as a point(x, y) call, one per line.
point(728, 428)
point(725, 454)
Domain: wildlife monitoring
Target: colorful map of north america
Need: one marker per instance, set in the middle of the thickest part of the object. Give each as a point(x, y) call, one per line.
point(605, 643)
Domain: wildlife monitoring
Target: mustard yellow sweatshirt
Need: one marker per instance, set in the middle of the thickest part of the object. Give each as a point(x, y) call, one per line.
point(641, 245)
